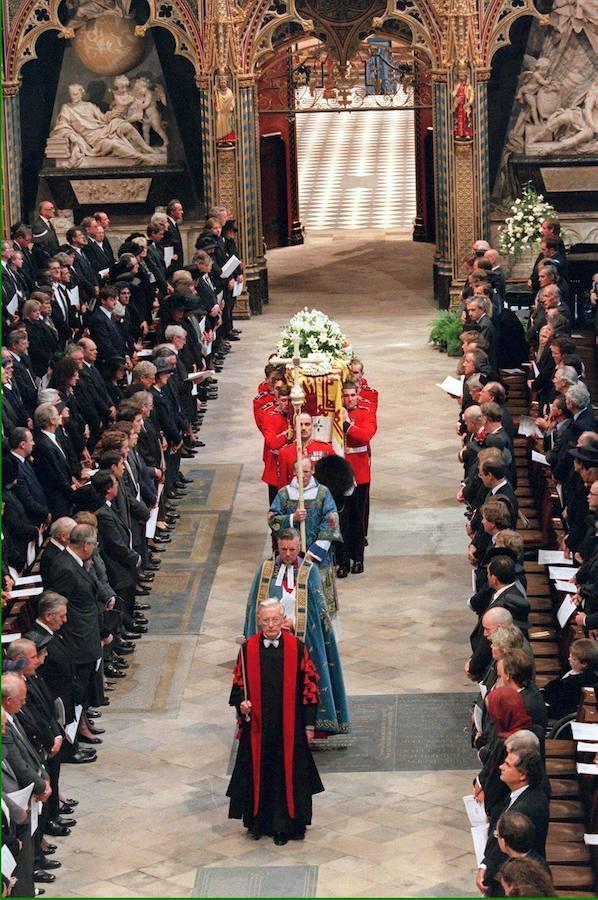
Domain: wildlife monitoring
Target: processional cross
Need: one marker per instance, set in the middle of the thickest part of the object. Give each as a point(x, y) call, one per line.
point(298, 399)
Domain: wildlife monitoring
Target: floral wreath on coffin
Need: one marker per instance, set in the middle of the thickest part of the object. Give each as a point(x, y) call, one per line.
point(319, 337)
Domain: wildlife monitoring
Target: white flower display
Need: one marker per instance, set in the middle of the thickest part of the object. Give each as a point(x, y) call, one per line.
point(522, 229)
point(318, 335)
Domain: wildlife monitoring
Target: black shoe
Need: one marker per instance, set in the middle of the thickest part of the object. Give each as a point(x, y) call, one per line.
point(171, 520)
point(280, 839)
point(342, 571)
point(88, 740)
point(65, 809)
point(152, 567)
point(357, 568)
point(44, 863)
point(48, 848)
point(91, 714)
point(162, 539)
point(105, 702)
point(76, 802)
point(156, 549)
point(124, 650)
point(142, 592)
point(139, 629)
point(139, 607)
point(37, 892)
point(93, 731)
point(141, 620)
point(254, 834)
point(66, 823)
point(184, 480)
point(55, 830)
point(234, 337)
point(146, 576)
point(120, 663)
point(172, 515)
point(186, 454)
point(111, 671)
point(80, 756)
point(131, 635)
point(44, 877)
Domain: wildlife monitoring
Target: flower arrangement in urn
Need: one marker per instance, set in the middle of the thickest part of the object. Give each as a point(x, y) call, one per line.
point(318, 336)
point(521, 230)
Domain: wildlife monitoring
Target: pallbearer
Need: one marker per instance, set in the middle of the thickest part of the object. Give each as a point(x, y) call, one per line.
point(359, 428)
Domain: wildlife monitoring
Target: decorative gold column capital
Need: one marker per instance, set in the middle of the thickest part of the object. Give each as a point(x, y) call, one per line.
point(11, 88)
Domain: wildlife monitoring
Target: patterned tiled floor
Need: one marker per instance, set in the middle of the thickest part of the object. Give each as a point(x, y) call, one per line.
point(153, 812)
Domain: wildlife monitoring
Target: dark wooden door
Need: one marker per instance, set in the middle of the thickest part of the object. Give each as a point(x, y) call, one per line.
point(274, 190)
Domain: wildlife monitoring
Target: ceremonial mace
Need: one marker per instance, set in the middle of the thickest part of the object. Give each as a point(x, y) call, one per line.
point(241, 641)
point(298, 399)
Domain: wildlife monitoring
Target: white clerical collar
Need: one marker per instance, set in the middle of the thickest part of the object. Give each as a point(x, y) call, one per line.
point(309, 492)
point(61, 547)
point(44, 626)
point(286, 573)
point(498, 486)
point(107, 312)
point(74, 555)
point(17, 456)
point(275, 641)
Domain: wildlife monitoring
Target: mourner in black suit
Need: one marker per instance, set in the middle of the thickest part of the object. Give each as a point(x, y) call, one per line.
point(51, 463)
point(28, 489)
point(70, 577)
point(116, 544)
point(522, 772)
point(108, 337)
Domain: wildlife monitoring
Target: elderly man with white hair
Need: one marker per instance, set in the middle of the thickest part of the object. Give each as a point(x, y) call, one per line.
point(275, 692)
point(577, 400)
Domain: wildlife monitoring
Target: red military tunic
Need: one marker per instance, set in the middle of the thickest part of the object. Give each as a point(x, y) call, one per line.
point(362, 428)
point(276, 431)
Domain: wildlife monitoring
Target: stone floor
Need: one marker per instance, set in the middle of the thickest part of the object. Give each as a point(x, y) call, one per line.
point(152, 814)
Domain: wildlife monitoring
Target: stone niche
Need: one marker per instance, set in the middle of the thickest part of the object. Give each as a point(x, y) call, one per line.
point(113, 139)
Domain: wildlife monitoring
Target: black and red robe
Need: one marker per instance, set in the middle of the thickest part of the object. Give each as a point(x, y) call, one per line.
point(275, 776)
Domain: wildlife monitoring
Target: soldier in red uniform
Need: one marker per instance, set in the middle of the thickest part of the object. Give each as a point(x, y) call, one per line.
point(312, 448)
point(267, 393)
point(368, 397)
point(277, 431)
point(359, 427)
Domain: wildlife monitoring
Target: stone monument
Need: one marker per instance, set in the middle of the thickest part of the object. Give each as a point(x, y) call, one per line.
point(85, 137)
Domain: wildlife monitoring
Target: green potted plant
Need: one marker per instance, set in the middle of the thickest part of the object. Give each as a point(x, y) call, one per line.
point(446, 327)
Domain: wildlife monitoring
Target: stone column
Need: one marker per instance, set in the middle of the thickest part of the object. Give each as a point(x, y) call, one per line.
point(12, 188)
point(462, 188)
point(443, 166)
point(296, 233)
point(249, 193)
point(208, 158)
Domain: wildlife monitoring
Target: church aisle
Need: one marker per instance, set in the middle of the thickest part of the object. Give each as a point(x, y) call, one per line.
point(153, 812)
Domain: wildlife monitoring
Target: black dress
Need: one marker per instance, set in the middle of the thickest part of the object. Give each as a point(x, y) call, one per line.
point(273, 814)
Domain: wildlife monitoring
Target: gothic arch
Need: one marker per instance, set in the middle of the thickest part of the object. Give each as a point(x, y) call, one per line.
point(38, 16)
point(267, 15)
